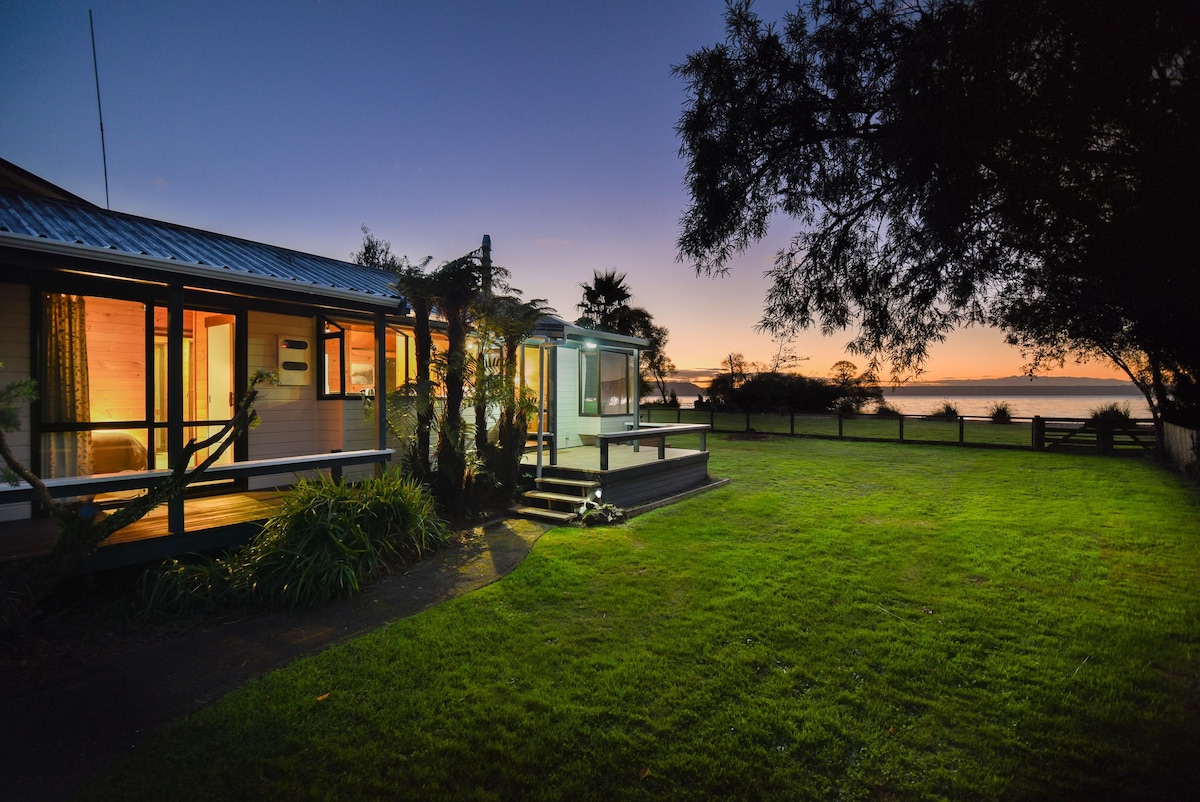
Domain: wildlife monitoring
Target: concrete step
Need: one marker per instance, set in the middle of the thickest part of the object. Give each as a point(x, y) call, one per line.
point(544, 514)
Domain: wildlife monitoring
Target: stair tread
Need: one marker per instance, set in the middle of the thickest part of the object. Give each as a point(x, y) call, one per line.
point(553, 480)
point(549, 496)
point(542, 512)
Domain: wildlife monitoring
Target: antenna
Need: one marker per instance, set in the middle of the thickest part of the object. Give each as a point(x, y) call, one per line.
point(99, 110)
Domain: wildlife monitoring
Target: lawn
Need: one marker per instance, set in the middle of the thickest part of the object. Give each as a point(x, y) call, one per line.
point(849, 620)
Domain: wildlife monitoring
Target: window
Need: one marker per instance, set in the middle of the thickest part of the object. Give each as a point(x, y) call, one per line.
point(605, 379)
point(93, 358)
point(348, 364)
point(102, 409)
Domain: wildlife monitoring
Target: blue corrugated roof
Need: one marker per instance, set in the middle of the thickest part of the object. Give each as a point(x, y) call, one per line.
point(227, 257)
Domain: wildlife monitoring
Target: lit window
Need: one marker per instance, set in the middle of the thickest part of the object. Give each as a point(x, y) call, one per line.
point(605, 379)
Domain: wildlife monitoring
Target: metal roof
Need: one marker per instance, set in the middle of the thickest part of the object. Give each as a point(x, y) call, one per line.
point(169, 247)
point(555, 328)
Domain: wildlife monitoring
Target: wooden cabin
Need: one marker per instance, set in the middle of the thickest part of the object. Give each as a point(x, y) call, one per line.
point(142, 334)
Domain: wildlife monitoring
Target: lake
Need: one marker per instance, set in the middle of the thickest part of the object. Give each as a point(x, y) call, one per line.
point(1022, 406)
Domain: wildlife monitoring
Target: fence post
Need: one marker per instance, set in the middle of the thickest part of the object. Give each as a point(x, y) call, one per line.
point(747, 420)
point(1104, 436)
point(792, 423)
point(679, 414)
point(712, 419)
point(901, 419)
point(1039, 433)
point(839, 424)
point(961, 428)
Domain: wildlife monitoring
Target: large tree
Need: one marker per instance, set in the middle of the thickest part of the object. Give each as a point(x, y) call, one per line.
point(1031, 164)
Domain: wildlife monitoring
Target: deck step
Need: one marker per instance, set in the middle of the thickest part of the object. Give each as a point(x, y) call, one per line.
point(544, 495)
point(542, 512)
point(582, 484)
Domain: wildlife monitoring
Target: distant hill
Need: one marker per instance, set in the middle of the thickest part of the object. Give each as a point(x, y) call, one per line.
point(685, 391)
point(1019, 385)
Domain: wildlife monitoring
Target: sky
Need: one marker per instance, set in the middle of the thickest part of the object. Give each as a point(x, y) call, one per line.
point(547, 124)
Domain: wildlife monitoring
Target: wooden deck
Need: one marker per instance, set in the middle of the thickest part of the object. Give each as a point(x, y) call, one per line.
point(633, 477)
point(585, 458)
point(211, 522)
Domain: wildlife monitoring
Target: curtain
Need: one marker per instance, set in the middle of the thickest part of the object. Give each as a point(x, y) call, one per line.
point(66, 395)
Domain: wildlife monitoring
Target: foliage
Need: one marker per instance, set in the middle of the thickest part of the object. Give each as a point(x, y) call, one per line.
point(1000, 412)
point(605, 307)
point(326, 542)
point(415, 398)
point(772, 392)
point(885, 410)
point(856, 390)
point(946, 411)
point(504, 322)
point(594, 512)
point(1024, 163)
point(485, 323)
point(83, 528)
point(1112, 413)
point(844, 621)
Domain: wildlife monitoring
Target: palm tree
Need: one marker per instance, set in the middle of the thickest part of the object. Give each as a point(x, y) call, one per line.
point(605, 304)
point(417, 287)
point(507, 322)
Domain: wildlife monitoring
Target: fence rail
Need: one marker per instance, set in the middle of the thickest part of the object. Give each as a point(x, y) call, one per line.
point(1036, 433)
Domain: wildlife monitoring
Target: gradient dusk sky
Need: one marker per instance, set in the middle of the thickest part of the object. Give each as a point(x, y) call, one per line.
point(547, 124)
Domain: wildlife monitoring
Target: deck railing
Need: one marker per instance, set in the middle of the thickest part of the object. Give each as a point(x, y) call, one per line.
point(67, 486)
point(650, 431)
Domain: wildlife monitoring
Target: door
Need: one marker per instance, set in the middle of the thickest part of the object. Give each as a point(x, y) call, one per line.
point(219, 371)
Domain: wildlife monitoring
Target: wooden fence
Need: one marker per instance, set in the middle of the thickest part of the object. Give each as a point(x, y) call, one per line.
point(1038, 433)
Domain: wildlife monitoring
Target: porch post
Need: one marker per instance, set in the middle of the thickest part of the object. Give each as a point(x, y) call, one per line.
point(175, 405)
point(381, 431)
point(541, 410)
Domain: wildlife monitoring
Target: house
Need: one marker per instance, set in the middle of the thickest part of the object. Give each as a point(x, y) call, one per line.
point(142, 334)
point(588, 383)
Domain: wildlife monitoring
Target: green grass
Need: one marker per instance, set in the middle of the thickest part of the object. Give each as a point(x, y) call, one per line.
point(861, 621)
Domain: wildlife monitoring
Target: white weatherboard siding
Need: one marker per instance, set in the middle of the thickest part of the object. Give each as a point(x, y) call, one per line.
point(288, 415)
point(568, 424)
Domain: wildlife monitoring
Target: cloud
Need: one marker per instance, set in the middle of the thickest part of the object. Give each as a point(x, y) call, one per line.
point(552, 242)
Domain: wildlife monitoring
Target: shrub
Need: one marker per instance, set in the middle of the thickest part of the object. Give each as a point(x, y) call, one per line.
point(1000, 412)
point(886, 410)
point(326, 542)
point(945, 411)
point(594, 512)
point(1111, 412)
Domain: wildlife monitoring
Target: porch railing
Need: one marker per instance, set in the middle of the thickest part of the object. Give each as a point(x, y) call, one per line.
point(334, 461)
point(651, 431)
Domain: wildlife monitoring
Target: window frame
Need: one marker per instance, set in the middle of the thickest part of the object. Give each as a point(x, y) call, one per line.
point(597, 355)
